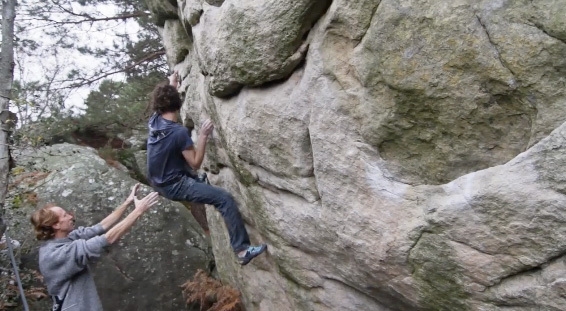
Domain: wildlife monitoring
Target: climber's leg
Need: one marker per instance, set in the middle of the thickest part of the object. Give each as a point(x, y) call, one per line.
point(189, 190)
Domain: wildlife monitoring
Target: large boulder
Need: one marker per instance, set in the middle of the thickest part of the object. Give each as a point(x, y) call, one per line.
point(241, 43)
point(144, 270)
point(414, 161)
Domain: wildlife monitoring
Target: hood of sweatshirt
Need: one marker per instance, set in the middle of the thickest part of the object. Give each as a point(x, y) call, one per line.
point(159, 128)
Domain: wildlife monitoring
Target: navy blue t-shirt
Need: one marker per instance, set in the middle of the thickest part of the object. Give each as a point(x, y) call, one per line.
point(165, 144)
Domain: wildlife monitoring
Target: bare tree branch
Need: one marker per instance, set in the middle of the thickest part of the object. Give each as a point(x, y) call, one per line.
point(89, 18)
point(90, 80)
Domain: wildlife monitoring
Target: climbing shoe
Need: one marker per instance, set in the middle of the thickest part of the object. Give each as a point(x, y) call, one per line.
point(251, 253)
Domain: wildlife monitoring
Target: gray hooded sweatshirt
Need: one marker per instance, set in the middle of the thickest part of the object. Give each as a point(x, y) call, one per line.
point(64, 266)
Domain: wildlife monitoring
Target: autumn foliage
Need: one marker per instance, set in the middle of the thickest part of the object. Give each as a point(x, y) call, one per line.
point(211, 294)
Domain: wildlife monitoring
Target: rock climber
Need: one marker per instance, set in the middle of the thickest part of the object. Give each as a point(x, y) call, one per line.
point(171, 154)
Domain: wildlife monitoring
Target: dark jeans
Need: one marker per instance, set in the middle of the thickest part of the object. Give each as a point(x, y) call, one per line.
point(187, 189)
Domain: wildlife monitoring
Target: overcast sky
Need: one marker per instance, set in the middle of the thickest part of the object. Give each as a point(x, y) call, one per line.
point(43, 61)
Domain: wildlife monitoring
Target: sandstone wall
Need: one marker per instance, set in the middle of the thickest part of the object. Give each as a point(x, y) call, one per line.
point(395, 155)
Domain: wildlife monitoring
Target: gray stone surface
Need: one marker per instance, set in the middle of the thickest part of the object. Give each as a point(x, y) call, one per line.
point(413, 161)
point(144, 269)
point(176, 40)
point(162, 10)
point(190, 11)
point(253, 42)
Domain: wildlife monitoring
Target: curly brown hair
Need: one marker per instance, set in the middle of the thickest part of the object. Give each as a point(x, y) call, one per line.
point(165, 98)
point(43, 220)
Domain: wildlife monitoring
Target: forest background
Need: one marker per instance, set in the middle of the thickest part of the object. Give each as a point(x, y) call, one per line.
point(72, 71)
point(83, 70)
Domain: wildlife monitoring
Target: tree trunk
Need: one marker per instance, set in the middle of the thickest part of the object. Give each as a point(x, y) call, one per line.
point(6, 79)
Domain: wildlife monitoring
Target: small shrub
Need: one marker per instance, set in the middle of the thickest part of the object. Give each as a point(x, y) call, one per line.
point(9, 291)
point(29, 178)
point(211, 294)
point(31, 197)
point(110, 156)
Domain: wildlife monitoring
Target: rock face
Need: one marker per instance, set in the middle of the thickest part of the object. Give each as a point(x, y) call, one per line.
point(411, 158)
point(144, 269)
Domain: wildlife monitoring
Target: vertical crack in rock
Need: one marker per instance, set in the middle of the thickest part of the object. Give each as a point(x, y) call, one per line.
point(120, 270)
point(412, 248)
point(312, 159)
point(374, 12)
point(503, 63)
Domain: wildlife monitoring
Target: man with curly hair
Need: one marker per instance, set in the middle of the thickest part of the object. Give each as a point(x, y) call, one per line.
point(171, 154)
point(66, 252)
